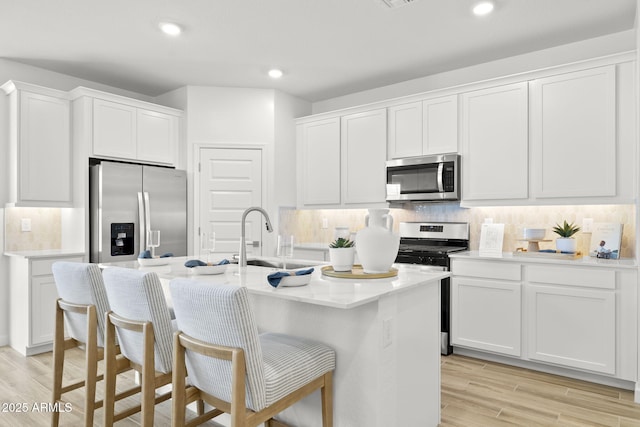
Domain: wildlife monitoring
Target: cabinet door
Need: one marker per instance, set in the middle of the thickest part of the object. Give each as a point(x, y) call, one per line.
point(319, 166)
point(495, 143)
point(573, 327)
point(157, 136)
point(364, 152)
point(44, 151)
point(486, 315)
point(440, 125)
point(574, 134)
point(405, 131)
point(114, 129)
point(43, 297)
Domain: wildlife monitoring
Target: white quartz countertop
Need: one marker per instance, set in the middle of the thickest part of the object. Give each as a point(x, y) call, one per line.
point(45, 253)
point(585, 261)
point(322, 290)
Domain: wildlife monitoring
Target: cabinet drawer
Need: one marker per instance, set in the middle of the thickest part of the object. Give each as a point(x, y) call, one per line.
point(572, 276)
point(486, 269)
point(41, 267)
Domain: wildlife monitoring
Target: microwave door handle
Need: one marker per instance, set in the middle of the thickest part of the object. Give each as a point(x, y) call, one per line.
point(440, 177)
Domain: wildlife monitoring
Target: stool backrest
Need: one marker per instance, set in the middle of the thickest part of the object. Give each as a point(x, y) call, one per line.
point(81, 283)
point(138, 295)
point(219, 314)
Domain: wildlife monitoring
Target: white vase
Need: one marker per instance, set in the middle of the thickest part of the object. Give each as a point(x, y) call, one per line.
point(566, 244)
point(341, 258)
point(376, 244)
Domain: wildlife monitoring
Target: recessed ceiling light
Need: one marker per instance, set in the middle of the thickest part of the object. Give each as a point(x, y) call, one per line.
point(275, 73)
point(170, 28)
point(483, 8)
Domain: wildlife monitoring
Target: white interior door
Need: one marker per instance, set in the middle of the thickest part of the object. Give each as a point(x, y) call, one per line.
point(230, 182)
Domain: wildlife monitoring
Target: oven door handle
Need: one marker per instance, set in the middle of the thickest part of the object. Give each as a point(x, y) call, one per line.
point(441, 177)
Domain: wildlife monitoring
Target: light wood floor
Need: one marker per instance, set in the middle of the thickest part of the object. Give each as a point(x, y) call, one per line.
point(482, 394)
point(474, 393)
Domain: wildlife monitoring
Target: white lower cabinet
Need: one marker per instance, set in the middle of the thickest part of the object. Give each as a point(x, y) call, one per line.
point(32, 310)
point(572, 327)
point(486, 309)
point(578, 317)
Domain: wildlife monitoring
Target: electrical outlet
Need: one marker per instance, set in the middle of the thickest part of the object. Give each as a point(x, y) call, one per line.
point(587, 225)
point(325, 223)
point(387, 332)
point(25, 224)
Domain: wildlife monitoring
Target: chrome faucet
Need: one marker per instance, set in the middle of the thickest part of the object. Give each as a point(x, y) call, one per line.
point(243, 247)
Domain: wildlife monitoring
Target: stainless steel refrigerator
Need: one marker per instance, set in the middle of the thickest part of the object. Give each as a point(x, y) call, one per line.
point(127, 200)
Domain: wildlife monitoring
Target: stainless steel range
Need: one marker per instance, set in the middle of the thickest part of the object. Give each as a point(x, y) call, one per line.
point(429, 244)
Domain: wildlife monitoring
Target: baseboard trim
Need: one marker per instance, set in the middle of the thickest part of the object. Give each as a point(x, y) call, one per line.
point(550, 369)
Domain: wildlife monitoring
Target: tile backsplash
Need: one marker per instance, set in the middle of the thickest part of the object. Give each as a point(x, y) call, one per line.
point(46, 229)
point(306, 225)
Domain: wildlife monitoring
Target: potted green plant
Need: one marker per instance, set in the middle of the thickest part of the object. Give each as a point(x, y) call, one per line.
point(341, 254)
point(566, 242)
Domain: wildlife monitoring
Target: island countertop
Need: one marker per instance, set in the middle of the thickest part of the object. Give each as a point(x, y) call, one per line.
point(322, 290)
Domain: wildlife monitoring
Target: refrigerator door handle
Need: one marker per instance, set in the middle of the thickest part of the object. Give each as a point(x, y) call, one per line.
point(147, 213)
point(142, 229)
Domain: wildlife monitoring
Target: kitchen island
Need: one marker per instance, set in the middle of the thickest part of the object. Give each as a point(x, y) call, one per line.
point(385, 333)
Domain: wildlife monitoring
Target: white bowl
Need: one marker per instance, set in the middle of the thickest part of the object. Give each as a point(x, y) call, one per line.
point(534, 233)
point(209, 269)
point(152, 262)
point(301, 280)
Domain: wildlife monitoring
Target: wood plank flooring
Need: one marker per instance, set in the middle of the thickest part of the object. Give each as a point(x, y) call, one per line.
point(480, 393)
point(475, 393)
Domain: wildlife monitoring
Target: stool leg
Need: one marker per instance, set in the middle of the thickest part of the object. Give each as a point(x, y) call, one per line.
point(327, 400)
point(58, 363)
point(91, 367)
point(148, 377)
point(109, 372)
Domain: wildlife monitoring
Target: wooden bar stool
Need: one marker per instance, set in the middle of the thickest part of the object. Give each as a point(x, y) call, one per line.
point(81, 306)
point(234, 369)
point(142, 321)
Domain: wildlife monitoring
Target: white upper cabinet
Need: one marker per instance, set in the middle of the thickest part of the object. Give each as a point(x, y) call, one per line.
point(157, 136)
point(40, 146)
point(114, 129)
point(423, 127)
point(573, 128)
point(440, 125)
point(319, 162)
point(364, 151)
point(405, 130)
point(123, 128)
point(495, 143)
point(341, 160)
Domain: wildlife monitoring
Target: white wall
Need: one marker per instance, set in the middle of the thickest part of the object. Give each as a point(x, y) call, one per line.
point(226, 116)
point(284, 180)
point(601, 46)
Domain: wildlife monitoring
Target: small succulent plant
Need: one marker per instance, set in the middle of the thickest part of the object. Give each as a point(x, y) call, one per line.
point(566, 230)
point(341, 242)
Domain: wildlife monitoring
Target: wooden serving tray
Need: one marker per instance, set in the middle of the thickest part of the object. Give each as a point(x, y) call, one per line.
point(548, 255)
point(357, 273)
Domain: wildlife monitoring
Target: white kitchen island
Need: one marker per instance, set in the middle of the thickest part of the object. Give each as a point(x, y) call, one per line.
point(385, 333)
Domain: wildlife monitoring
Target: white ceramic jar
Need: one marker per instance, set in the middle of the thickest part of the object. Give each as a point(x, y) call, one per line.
point(376, 244)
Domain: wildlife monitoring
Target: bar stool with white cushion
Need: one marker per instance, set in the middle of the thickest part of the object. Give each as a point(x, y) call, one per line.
point(81, 305)
point(251, 376)
point(142, 320)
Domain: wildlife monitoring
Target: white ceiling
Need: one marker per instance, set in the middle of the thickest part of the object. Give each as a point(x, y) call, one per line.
point(326, 48)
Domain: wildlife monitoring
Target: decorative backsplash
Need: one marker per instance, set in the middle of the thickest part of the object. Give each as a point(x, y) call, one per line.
point(306, 225)
point(46, 229)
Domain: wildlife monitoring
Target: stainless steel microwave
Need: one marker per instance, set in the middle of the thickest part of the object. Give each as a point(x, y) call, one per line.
point(424, 178)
